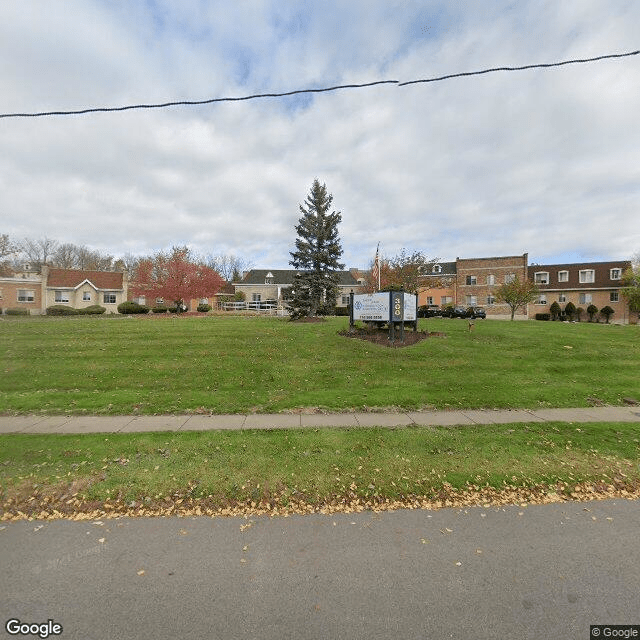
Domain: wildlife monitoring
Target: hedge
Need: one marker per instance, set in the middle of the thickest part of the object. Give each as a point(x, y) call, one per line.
point(17, 312)
point(61, 310)
point(130, 307)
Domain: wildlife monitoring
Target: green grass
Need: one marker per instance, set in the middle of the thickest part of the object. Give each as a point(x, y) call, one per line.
point(236, 365)
point(314, 465)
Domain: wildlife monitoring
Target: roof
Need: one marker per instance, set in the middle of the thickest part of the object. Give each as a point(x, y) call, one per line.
point(286, 276)
point(602, 277)
point(446, 269)
point(72, 278)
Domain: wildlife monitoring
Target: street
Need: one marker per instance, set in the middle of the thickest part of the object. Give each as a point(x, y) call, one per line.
point(483, 572)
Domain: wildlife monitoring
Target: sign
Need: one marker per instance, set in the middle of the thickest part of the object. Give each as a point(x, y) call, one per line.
point(374, 306)
point(410, 307)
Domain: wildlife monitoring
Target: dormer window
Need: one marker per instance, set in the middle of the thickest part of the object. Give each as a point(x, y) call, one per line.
point(268, 279)
point(437, 268)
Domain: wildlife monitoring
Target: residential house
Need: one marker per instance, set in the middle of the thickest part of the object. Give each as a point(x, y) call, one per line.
point(36, 288)
point(266, 285)
point(583, 284)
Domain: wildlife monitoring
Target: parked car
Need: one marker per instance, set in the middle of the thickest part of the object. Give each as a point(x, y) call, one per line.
point(476, 312)
point(454, 312)
point(429, 311)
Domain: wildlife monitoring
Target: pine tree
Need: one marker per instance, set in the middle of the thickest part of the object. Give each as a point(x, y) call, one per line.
point(316, 255)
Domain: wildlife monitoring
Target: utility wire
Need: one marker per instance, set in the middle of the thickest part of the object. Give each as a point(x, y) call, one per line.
point(322, 90)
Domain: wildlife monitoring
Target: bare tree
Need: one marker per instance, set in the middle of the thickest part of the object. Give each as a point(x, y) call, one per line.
point(230, 267)
point(38, 251)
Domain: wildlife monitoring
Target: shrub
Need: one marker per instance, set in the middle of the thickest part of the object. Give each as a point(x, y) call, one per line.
point(130, 307)
point(17, 312)
point(592, 310)
point(92, 310)
point(204, 308)
point(159, 309)
point(570, 310)
point(342, 311)
point(543, 316)
point(173, 309)
point(607, 312)
point(555, 311)
point(61, 310)
point(579, 312)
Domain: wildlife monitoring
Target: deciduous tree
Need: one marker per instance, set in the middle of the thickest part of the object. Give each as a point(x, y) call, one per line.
point(517, 294)
point(631, 284)
point(175, 276)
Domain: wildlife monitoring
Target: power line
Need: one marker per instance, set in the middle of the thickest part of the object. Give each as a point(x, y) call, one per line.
point(321, 90)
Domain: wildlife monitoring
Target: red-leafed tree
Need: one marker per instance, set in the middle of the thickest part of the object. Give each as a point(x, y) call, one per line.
point(175, 276)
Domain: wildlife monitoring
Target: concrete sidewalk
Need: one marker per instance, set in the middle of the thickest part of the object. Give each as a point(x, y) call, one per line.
point(131, 424)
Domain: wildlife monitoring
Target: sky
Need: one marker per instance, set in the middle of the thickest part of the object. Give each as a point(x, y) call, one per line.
point(540, 161)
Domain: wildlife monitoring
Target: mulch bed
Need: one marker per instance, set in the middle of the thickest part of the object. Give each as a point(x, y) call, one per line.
point(381, 337)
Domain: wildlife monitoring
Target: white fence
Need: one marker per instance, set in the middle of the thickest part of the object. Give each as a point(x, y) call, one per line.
point(268, 308)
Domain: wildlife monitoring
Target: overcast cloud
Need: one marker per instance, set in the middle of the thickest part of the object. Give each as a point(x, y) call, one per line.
point(543, 161)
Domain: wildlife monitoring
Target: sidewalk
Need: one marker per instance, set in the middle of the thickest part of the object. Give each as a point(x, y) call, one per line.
point(131, 424)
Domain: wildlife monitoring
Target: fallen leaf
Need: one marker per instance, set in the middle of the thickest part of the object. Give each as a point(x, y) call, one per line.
point(101, 540)
point(141, 572)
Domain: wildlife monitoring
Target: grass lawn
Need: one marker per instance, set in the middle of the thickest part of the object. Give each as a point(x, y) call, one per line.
point(239, 364)
point(315, 467)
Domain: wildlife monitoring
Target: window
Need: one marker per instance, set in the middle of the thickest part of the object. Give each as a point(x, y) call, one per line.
point(587, 275)
point(62, 296)
point(472, 280)
point(429, 299)
point(510, 277)
point(446, 300)
point(614, 296)
point(256, 297)
point(542, 299)
point(615, 274)
point(436, 269)
point(471, 301)
point(26, 295)
point(585, 298)
point(491, 280)
point(109, 297)
point(140, 300)
point(268, 279)
point(563, 276)
point(541, 277)
point(203, 301)
point(491, 300)
point(86, 296)
point(345, 301)
point(562, 298)
point(159, 300)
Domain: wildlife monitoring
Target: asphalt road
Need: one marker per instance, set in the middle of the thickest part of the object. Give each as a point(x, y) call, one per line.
point(514, 572)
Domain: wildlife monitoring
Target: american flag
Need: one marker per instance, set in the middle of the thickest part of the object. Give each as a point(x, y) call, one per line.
point(375, 272)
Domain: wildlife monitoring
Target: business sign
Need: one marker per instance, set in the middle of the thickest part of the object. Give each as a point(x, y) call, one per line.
point(373, 306)
point(387, 306)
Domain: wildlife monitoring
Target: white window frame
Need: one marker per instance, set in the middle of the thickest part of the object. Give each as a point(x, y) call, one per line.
point(563, 276)
point(562, 297)
point(542, 299)
point(28, 295)
point(159, 300)
point(615, 274)
point(86, 296)
point(491, 279)
point(509, 278)
point(256, 297)
point(60, 297)
point(446, 300)
point(472, 301)
point(429, 299)
point(345, 300)
point(491, 300)
point(541, 277)
point(585, 298)
point(109, 297)
point(472, 281)
point(614, 296)
point(587, 276)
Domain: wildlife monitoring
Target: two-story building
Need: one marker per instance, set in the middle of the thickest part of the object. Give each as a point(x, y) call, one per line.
point(583, 284)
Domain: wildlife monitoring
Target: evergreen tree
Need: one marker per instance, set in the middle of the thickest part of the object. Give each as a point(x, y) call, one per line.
point(316, 255)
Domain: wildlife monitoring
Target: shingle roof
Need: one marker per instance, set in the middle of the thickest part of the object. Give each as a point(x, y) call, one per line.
point(286, 277)
point(74, 277)
point(602, 275)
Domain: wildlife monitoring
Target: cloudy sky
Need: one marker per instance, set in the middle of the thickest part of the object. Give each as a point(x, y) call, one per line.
point(542, 161)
